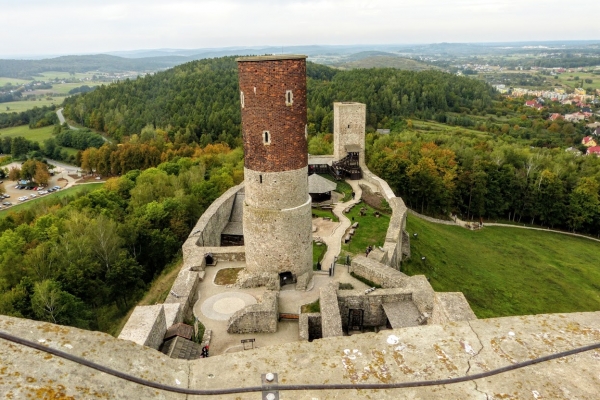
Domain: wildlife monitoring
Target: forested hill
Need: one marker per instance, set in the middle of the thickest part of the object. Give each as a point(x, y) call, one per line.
point(28, 69)
point(199, 100)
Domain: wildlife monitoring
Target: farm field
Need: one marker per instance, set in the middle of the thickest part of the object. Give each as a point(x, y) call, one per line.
point(37, 135)
point(14, 81)
point(567, 79)
point(507, 271)
point(24, 105)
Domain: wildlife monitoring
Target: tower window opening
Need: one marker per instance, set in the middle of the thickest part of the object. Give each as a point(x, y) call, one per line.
point(266, 137)
point(289, 98)
point(348, 126)
point(242, 98)
point(260, 179)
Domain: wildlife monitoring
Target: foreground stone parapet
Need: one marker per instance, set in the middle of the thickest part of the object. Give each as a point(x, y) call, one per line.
point(405, 355)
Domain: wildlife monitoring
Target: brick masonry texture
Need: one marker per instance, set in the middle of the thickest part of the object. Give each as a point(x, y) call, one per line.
point(264, 84)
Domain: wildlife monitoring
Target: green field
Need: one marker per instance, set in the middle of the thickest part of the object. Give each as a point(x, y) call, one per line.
point(14, 81)
point(36, 135)
point(507, 271)
point(24, 105)
point(568, 80)
point(44, 201)
point(371, 230)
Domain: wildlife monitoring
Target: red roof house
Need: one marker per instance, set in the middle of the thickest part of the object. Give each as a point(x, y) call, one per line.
point(594, 150)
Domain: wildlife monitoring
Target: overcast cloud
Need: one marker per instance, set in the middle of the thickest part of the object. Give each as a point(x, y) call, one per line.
point(30, 27)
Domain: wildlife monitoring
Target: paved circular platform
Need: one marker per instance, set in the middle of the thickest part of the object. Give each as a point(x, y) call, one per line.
point(223, 305)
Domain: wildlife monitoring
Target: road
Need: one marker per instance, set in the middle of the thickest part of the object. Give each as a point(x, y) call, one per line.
point(62, 120)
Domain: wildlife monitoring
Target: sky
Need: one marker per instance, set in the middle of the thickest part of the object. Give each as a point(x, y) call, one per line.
point(37, 27)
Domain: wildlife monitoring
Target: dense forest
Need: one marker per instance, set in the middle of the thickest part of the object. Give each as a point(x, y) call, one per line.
point(199, 101)
point(83, 261)
point(35, 117)
point(475, 175)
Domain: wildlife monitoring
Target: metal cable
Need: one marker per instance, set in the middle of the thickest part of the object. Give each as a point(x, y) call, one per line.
point(340, 386)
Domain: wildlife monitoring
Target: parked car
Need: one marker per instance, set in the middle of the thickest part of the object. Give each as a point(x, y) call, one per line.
point(7, 203)
point(33, 195)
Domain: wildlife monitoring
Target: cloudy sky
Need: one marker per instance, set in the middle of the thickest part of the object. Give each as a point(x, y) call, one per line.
point(33, 27)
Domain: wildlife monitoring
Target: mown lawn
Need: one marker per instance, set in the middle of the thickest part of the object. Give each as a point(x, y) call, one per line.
point(507, 271)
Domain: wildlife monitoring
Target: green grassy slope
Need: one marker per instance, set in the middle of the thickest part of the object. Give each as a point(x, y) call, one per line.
point(507, 271)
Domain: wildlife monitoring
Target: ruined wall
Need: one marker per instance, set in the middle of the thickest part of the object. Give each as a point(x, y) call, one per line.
point(257, 318)
point(395, 240)
point(146, 326)
point(309, 326)
point(207, 231)
point(185, 290)
point(377, 272)
point(371, 303)
point(331, 323)
point(451, 307)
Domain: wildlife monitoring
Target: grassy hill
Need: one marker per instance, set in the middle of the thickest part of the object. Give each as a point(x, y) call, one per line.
point(508, 271)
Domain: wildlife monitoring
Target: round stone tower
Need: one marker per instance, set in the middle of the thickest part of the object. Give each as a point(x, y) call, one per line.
point(277, 213)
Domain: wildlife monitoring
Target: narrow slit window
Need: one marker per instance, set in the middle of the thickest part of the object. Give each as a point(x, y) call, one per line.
point(266, 137)
point(260, 179)
point(242, 98)
point(289, 98)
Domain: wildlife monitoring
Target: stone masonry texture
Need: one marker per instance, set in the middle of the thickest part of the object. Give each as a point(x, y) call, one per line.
point(277, 216)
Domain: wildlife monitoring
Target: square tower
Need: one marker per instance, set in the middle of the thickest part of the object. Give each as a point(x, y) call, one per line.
point(349, 120)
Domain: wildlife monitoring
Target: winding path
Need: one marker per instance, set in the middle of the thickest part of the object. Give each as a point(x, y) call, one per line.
point(334, 241)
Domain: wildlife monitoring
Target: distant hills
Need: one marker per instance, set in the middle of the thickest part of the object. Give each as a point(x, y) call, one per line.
point(400, 56)
point(380, 59)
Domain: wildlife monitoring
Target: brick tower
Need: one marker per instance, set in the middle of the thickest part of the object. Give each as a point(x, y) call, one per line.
point(277, 213)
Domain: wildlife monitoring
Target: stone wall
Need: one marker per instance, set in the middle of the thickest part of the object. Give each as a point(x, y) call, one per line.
point(146, 326)
point(371, 303)
point(185, 290)
point(331, 322)
point(207, 231)
point(377, 272)
point(394, 239)
point(422, 293)
point(451, 307)
point(257, 318)
point(309, 326)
